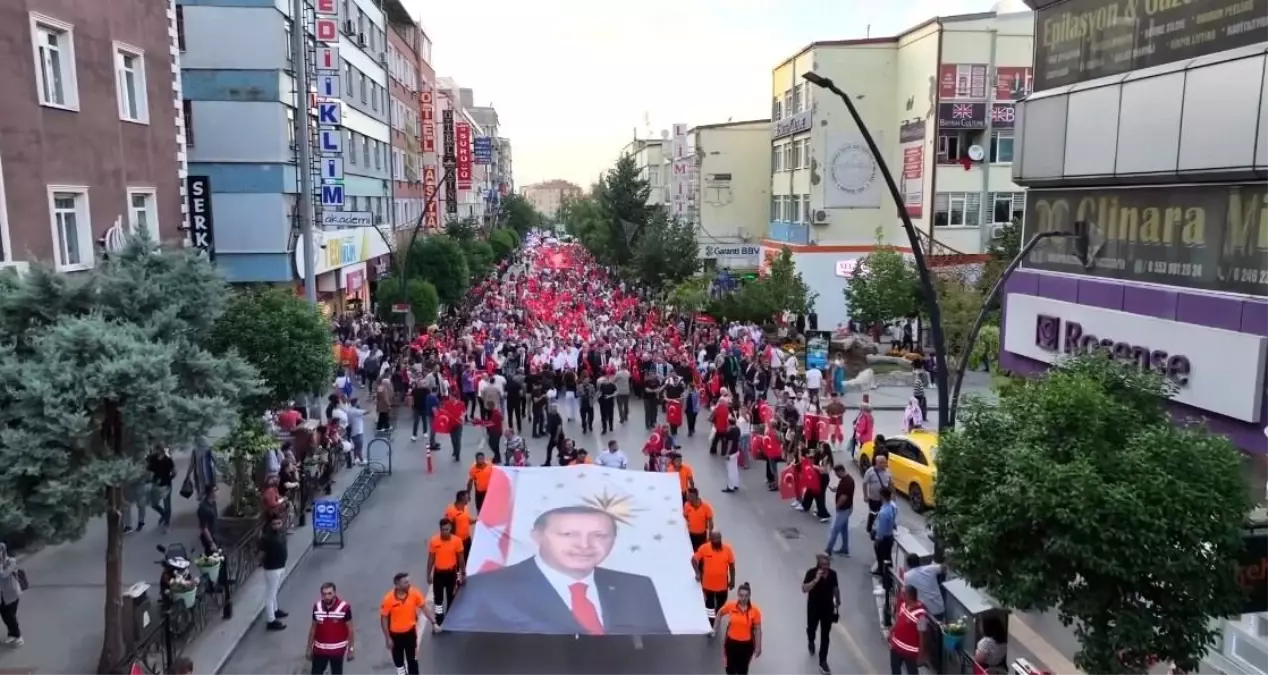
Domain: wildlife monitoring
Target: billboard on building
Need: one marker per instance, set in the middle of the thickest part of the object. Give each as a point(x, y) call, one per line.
point(462, 141)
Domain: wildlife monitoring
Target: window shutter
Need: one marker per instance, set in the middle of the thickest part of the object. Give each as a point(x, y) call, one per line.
point(941, 202)
point(1019, 202)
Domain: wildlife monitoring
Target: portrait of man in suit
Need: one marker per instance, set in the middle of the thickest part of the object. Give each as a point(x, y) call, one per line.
point(562, 590)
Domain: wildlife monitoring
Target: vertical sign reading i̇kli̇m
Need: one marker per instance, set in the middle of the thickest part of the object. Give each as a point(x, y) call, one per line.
point(329, 108)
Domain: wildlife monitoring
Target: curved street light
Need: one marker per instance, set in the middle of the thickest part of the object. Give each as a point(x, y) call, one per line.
point(926, 278)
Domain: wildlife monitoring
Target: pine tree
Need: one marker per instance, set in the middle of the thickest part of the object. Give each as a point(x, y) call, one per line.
point(623, 200)
point(97, 370)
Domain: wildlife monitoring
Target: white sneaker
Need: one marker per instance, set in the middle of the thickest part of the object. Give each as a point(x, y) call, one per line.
point(16, 642)
point(712, 632)
point(413, 438)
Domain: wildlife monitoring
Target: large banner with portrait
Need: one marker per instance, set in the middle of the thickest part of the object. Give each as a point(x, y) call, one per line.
point(580, 550)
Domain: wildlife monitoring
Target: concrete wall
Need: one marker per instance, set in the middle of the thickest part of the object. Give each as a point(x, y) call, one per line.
point(737, 207)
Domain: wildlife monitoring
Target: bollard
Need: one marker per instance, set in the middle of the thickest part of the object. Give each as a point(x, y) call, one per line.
point(429, 461)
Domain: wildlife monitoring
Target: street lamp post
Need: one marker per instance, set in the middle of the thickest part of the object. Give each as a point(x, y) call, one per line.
point(1080, 236)
point(402, 256)
point(926, 278)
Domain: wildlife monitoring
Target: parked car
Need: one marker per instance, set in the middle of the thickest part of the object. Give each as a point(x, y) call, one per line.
point(912, 462)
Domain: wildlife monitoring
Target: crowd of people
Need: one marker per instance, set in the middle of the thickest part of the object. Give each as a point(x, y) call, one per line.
point(555, 342)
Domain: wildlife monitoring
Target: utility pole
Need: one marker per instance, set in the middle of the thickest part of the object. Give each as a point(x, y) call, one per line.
point(303, 138)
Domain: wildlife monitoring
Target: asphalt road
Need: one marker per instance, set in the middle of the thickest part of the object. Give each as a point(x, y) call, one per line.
point(775, 545)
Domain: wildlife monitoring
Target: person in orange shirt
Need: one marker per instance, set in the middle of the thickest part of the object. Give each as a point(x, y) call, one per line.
point(743, 632)
point(581, 457)
point(686, 476)
point(460, 515)
point(699, 517)
point(478, 477)
point(399, 619)
point(715, 570)
point(446, 559)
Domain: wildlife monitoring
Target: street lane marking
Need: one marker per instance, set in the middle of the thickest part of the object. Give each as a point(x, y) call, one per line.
point(859, 655)
point(1052, 659)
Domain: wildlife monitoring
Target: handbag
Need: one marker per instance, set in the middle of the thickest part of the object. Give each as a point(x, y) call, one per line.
point(187, 487)
point(23, 582)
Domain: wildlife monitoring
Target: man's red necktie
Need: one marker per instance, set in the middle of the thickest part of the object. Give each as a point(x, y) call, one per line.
point(584, 611)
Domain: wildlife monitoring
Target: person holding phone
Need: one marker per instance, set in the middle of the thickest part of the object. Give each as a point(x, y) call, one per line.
point(823, 606)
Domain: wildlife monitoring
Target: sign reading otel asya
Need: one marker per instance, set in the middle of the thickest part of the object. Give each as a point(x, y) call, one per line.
point(1208, 237)
point(1081, 40)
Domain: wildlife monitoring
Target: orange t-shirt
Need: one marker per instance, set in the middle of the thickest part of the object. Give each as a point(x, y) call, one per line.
point(445, 552)
point(402, 614)
point(743, 622)
point(685, 475)
point(480, 476)
point(698, 517)
point(461, 519)
point(715, 566)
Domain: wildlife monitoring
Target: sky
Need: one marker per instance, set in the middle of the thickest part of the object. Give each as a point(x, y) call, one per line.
point(573, 80)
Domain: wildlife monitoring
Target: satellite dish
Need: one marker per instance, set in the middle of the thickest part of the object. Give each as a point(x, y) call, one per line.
point(976, 153)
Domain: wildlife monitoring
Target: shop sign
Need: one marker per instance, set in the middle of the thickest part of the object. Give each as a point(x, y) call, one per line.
point(911, 131)
point(794, 124)
point(962, 81)
point(731, 251)
point(1080, 40)
point(1193, 357)
point(1206, 237)
point(972, 116)
point(337, 249)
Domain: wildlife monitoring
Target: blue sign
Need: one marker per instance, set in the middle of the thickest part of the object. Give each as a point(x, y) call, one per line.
point(326, 516)
point(482, 150)
point(332, 195)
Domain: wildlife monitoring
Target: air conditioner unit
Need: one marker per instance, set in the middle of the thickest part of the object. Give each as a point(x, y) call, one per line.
point(360, 39)
point(349, 27)
point(383, 58)
point(997, 231)
point(821, 217)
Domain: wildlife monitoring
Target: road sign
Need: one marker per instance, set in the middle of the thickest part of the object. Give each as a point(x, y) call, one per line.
point(327, 521)
point(332, 195)
point(332, 168)
point(342, 219)
point(326, 30)
point(329, 114)
point(328, 59)
point(328, 86)
point(330, 141)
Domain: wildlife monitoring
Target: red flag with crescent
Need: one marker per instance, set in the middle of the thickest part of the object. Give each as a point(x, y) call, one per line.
point(673, 412)
point(788, 482)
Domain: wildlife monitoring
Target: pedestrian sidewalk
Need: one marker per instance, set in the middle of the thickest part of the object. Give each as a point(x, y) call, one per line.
point(976, 383)
point(61, 613)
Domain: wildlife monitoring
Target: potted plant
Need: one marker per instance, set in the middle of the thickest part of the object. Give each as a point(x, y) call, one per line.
point(184, 590)
point(209, 565)
point(953, 635)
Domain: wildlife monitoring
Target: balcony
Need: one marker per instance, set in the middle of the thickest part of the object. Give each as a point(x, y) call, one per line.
point(1189, 121)
point(789, 233)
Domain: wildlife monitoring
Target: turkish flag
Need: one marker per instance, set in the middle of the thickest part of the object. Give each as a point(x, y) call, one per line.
point(673, 413)
point(765, 412)
point(788, 483)
point(443, 424)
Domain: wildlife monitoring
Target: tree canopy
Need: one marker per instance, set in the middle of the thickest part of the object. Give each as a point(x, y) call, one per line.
point(1079, 492)
point(519, 215)
point(885, 286)
point(284, 337)
point(504, 242)
point(441, 260)
point(781, 289)
point(667, 252)
point(98, 370)
point(420, 294)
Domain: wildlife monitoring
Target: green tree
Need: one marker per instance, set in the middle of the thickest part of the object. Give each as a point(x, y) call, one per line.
point(582, 218)
point(504, 242)
point(622, 197)
point(1002, 250)
point(961, 302)
point(1079, 492)
point(667, 253)
point(788, 291)
point(885, 286)
point(420, 294)
point(96, 370)
point(519, 215)
point(440, 260)
point(480, 260)
point(691, 295)
point(284, 337)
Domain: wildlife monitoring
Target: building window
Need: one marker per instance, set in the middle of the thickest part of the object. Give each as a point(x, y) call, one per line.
point(796, 99)
point(795, 216)
point(71, 227)
point(795, 146)
point(805, 97)
point(788, 102)
point(378, 156)
point(774, 208)
point(54, 51)
point(5, 254)
point(187, 111)
point(951, 147)
point(180, 28)
point(788, 157)
point(777, 158)
point(129, 67)
point(1002, 147)
point(365, 87)
point(957, 209)
point(142, 211)
point(374, 96)
point(777, 109)
point(351, 143)
point(1007, 206)
point(653, 176)
point(365, 150)
point(805, 209)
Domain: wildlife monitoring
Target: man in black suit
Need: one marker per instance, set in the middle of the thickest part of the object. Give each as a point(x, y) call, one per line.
point(562, 590)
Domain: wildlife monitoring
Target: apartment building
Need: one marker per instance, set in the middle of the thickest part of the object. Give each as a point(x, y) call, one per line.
point(729, 190)
point(409, 51)
point(652, 157)
point(240, 105)
point(92, 144)
point(940, 101)
point(469, 141)
point(548, 196)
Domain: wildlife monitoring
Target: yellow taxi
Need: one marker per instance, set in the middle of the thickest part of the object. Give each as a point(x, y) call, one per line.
point(912, 463)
